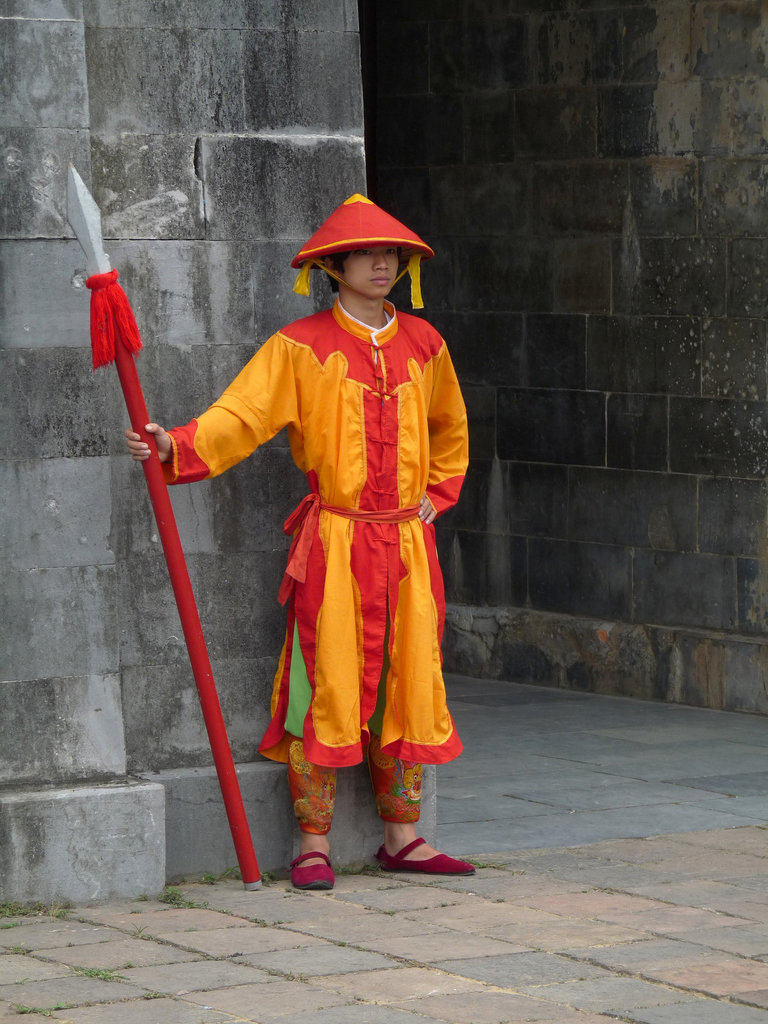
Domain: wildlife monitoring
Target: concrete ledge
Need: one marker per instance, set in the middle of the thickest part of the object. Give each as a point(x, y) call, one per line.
point(198, 839)
point(717, 670)
point(81, 845)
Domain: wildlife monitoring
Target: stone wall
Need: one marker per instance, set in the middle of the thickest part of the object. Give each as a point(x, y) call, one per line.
point(216, 135)
point(593, 177)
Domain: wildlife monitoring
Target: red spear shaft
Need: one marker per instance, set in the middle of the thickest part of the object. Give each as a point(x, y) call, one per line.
point(115, 336)
point(190, 623)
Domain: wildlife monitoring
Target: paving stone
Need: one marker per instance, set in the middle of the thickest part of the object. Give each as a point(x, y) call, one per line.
point(274, 1000)
point(121, 952)
point(142, 1011)
point(325, 958)
point(729, 977)
point(746, 941)
point(202, 976)
point(428, 949)
point(73, 990)
point(611, 994)
point(492, 1008)
point(242, 942)
point(16, 968)
point(700, 1011)
point(516, 970)
point(53, 933)
point(397, 984)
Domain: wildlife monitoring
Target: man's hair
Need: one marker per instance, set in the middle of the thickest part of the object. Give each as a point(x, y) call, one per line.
point(338, 259)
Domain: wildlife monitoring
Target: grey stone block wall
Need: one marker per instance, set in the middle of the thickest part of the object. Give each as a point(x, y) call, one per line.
point(594, 182)
point(215, 137)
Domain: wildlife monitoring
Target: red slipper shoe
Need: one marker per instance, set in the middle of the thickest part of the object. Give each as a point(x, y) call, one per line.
point(314, 876)
point(440, 864)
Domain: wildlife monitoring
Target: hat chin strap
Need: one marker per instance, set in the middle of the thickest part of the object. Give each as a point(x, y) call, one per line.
point(302, 284)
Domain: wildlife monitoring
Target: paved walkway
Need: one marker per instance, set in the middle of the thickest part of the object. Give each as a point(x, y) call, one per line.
point(623, 874)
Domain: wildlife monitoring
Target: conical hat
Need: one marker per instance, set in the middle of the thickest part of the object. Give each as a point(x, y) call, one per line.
point(358, 223)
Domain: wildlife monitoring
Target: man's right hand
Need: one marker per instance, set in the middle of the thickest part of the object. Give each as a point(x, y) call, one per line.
point(139, 449)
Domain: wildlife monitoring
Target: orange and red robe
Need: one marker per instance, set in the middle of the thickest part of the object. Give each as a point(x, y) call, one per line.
point(375, 420)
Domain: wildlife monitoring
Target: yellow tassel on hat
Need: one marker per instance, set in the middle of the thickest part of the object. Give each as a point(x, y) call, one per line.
point(414, 272)
point(302, 283)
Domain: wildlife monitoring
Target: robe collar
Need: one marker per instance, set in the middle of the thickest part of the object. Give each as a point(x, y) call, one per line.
point(379, 335)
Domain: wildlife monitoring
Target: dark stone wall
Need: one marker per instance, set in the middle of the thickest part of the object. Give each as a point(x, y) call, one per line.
point(594, 180)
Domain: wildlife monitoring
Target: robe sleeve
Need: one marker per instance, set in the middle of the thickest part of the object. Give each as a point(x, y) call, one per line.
point(448, 437)
point(259, 402)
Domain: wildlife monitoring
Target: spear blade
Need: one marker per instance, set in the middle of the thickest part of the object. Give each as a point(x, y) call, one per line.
point(85, 217)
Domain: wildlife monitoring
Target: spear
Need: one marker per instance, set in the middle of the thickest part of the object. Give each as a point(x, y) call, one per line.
point(115, 337)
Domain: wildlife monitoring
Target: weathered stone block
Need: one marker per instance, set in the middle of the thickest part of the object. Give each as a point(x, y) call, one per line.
point(718, 436)
point(636, 427)
point(481, 417)
point(56, 512)
point(164, 724)
point(644, 355)
point(632, 509)
point(537, 498)
point(734, 197)
point(521, 279)
point(587, 195)
point(656, 42)
point(582, 275)
point(426, 133)
point(557, 123)
point(43, 299)
point(732, 516)
point(489, 126)
point(664, 195)
point(188, 293)
point(480, 567)
point(734, 358)
point(626, 121)
point(480, 199)
point(162, 80)
point(477, 54)
point(578, 48)
point(55, 406)
point(44, 10)
point(728, 40)
point(146, 186)
point(306, 79)
point(672, 276)
point(405, 47)
point(555, 351)
point(747, 104)
point(407, 195)
point(551, 426)
point(580, 579)
point(236, 600)
point(236, 14)
point(501, 337)
point(82, 845)
point(697, 590)
point(59, 622)
point(747, 285)
point(44, 77)
point(79, 724)
point(34, 180)
point(753, 595)
point(246, 196)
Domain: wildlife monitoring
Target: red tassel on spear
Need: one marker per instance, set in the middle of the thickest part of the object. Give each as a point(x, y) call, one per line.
point(115, 338)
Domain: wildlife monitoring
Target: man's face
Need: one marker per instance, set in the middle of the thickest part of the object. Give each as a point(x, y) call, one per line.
point(371, 272)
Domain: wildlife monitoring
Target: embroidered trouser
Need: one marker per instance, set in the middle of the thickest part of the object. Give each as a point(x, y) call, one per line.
point(396, 786)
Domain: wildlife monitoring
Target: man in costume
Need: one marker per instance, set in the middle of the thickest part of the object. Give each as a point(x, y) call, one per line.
point(376, 421)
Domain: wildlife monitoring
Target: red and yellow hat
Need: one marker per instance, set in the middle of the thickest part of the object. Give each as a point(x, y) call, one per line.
point(358, 223)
